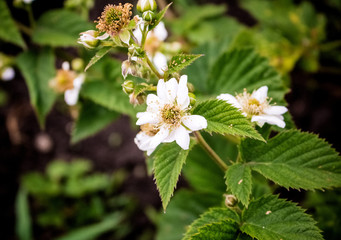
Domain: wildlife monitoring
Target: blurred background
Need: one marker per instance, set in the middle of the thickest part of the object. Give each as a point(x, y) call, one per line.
point(98, 187)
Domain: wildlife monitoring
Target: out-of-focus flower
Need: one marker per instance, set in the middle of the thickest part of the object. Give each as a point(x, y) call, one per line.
point(257, 107)
point(167, 118)
point(91, 38)
point(7, 74)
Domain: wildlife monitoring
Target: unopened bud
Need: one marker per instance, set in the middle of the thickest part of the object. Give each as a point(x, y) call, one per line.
point(146, 5)
point(128, 67)
point(192, 99)
point(137, 100)
point(91, 39)
point(148, 16)
point(135, 51)
point(77, 64)
point(190, 87)
point(230, 200)
point(128, 87)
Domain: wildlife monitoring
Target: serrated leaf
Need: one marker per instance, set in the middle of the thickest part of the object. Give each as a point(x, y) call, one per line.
point(159, 17)
point(295, 159)
point(38, 69)
point(59, 28)
point(101, 53)
point(179, 62)
point(217, 231)
point(239, 181)
point(92, 118)
point(8, 30)
point(269, 218)
point(168, 161)
point(223, 118)
point(213, 215)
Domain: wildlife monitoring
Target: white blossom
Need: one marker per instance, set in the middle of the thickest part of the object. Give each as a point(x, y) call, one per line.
point(257, 107)
point(71, 95)
point(7, 74)
point(167, 118)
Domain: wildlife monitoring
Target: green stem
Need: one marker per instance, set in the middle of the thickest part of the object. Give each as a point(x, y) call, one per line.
point(153, 68)
point(330, 46)
point(24, 28)
point(30, 15)
point(144, 36)
point(210, 151)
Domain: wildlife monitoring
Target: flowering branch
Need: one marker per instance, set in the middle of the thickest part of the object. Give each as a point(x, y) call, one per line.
point(153, 68)
point(210, 151)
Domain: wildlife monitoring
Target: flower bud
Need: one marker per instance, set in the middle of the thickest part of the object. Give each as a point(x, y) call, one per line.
point(128, 67)
point(192, 98)
point(77, 64)
point(89, 39)
point(148, 16)
point(137, 100)
point(146, 5)
point(128, 87)
point(135, 51)
point(230, 200)
point(190, 87)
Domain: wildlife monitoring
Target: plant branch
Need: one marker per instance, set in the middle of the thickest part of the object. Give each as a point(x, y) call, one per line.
point(153, 68)
point(210, 151)
point(24, 28)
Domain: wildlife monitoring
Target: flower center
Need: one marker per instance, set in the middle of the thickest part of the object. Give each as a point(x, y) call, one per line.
point(63, 81)
point(171, 114)
point(251, 106)
point(149, 129)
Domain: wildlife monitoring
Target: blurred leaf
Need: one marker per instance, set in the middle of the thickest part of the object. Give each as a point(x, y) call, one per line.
point(57, 169)
point(179, 62)
point(184, 208)
point(101, 53)
point(38, 69)
point(3, 98)
point(59, 28)
point(8, 29)
point(92, 118)
point(93, 231)
point(222, 230)
point(79, 167)
point(38, 185)
point(79, 187)
point(23, 218)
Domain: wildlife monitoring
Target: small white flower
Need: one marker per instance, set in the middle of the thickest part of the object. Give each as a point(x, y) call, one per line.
point(257, 107)
point(71, 95)
point(7, 74)
point(91, 38)
point(167, 118)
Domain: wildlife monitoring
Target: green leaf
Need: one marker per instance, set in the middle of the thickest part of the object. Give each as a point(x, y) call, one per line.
point(159, 17)
point(8, 29)
point(239, 69)
point(23, 218)
point(295, 159)
point(95, 230)
point(271, 218)
point(239, 181)
point(59, 28)
point(38, 69)
point(184, 208)
point(179, 62)
point(168, 161)
point(92, 118)
point(223, 118)
point(213, 215)
point(101, 53)
point(217, 231)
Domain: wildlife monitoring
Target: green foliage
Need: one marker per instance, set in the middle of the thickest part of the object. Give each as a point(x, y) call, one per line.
point(8, 29)
point(217, 231)
point(269, 218)
point(92, 118)
point(184, 208)
point(295, 159)
point(214, 215)
point(168, 162)
point(179, 62)
point(159, 17)
point(59, 28)
point(101, 53)
point(23, 218)
point(239, 182)
point(223, 118)
point(38, 69)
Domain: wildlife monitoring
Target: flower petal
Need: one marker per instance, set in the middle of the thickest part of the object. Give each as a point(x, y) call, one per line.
point(159, 137)
point(160, 61)
point(125, 36)
point(261, 94)
point(182, 137)
point(154, 103)
point(182, 94)
point(171, 90)
point(194, 122)
point(161, 90)
point(8, 74)
point(138, 33)
point(146, 117)
point(160, 31)
point(230, 99)
point(71, 96)
point(103, 37)
point(78, 81)
point(273, 120)
point(66, 66)
point(275, 110)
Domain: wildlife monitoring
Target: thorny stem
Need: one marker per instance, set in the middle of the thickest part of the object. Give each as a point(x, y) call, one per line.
point(152, 67)
point(210, 151)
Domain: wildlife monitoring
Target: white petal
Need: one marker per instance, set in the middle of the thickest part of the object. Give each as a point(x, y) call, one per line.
point(150, 151)
point(182, 94)
point(194, 122)
point(160, 61)
point(182, 137)
point(138, 33)
point(159, 137)
point(229, 99)
point(8, 74)
point(146, 117)
point(171, 90)
point(66, 66)
point(273, 120)
point(71, 96)
point(275, 110)
point(154, 103)
point(161, 90)
point(261, 94)
point(78, 81)
point(160, 31)
point(103, 37)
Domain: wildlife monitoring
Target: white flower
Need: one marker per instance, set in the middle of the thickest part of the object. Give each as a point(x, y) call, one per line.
point(28, 1)
point(167, 118)
point(257, 107)
point(7, 74)
point(90, 39)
